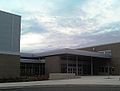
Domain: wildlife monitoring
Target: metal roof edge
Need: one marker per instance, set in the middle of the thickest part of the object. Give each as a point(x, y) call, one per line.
point(73, 51)
point(10, 53)
point(10, 13)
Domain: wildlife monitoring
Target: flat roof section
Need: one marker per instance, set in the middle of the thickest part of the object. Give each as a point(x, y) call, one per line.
point(74, 52)
point(29, 55)
point(107, 44)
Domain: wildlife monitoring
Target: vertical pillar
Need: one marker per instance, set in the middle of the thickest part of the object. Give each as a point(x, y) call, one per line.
point(32, 70)
point(81, 62)
point(108, 70)
point(40, 69)
point(25, 70)
point(77, 65)
point(39, 64)
point(67, 62)
point(91, 65)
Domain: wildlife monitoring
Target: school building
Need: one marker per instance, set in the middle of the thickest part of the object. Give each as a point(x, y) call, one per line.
point(95, 60)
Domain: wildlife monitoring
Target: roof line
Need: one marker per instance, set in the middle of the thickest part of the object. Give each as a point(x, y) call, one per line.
point(10, 53)
point(73, 51)
point(99, 45)
point(10, 13)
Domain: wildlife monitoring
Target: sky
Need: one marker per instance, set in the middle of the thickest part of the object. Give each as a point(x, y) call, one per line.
point(56, 24)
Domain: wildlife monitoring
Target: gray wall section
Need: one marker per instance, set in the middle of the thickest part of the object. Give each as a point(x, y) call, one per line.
point(52, 65)
point(9, 66)
point(115, 49)
point(16, 33)
point(9, 32)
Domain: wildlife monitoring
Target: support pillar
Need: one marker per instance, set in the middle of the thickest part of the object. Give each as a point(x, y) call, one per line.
point(91, 65)
point(67, 63)
point(77, 65)
point(108, 70)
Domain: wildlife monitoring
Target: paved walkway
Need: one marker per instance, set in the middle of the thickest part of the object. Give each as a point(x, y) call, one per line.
point(84, 80)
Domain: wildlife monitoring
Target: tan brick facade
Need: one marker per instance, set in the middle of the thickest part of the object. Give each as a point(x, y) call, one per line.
point(9, 66)
point(52, 64)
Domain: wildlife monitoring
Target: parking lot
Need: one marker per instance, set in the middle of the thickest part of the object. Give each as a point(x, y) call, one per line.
point(85, 83)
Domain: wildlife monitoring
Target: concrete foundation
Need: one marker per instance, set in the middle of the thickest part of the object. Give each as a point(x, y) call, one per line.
point(56, 76)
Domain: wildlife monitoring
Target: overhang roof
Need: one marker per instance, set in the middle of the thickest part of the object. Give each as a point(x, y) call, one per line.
point(74, 52)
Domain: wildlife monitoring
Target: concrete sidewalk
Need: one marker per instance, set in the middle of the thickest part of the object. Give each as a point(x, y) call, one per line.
point(84, 80)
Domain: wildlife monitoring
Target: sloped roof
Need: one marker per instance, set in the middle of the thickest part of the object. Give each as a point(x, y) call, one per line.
point(74, 52)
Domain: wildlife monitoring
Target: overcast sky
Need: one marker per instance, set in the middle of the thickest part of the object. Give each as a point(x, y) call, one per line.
point(53, 24)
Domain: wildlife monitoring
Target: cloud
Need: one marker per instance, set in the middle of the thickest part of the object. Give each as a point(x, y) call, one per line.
point(32, 25)
point(56, 40)
point(56, 24)
point(90, 24)
point(104, 12)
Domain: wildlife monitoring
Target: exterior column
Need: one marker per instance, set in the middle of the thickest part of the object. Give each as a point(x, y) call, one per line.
point(91, 65)
point(77, 65)
point(108, 70)
point(25, 70)
point(81, 67)
point(39, 68)
point(67, 63)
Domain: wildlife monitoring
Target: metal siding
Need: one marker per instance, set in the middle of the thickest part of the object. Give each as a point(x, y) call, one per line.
point(9, 32)
point(16, 33)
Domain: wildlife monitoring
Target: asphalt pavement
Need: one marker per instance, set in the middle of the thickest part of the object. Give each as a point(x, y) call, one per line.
point(65, 88)
point(84, 83)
